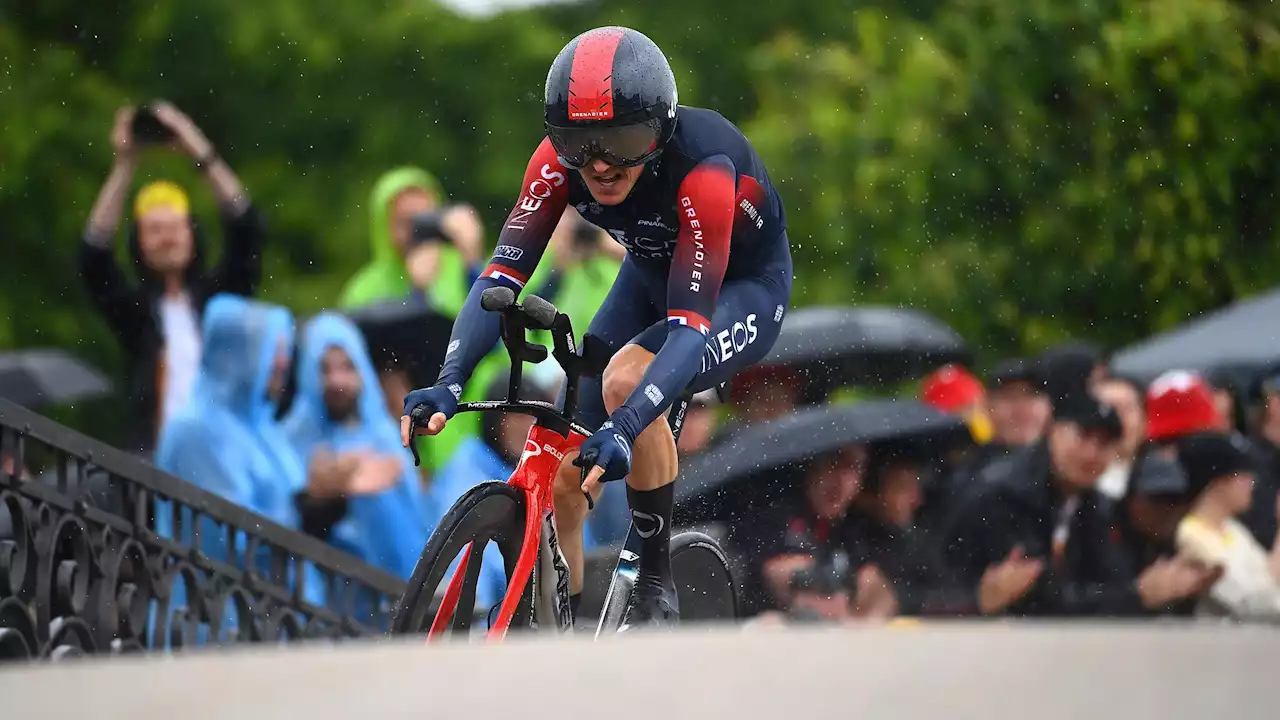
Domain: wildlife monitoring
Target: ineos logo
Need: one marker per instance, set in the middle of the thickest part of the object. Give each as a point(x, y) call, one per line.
point(540, 189)
point(735, 339)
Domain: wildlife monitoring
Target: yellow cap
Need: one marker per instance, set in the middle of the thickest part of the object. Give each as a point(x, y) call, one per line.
point(160, 194)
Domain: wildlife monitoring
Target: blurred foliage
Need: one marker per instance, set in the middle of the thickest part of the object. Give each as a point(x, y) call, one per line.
point(1025, 170)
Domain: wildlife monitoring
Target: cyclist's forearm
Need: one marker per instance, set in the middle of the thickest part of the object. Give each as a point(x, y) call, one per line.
point(668, 375)
point(474, 334)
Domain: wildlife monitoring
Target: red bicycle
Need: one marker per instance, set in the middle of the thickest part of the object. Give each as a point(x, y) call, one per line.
point(519, 517)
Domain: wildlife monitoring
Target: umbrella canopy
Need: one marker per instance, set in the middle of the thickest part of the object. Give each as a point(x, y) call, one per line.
point(800, 436)
point(407, 335)
point(836, 346)
point(44, 378)
point(1241, 339)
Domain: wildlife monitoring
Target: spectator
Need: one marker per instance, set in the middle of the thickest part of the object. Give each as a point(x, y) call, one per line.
point(339, 426)
point(1070, 366)
point(1127, 399)
point(226, 439)
point(1220, 474)
point(806, 529)
point(1155, 501)
point(1265, 443)
point(881, 529)
point(157, 320)
point(1035, 538)
point(955, 391)
point(1018, 405)
point(406, 267)
point(764, 392)
point(422, 251)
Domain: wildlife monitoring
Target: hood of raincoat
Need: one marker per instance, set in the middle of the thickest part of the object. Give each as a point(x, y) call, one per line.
point(308, 421)
point(384, 278)
point(241, 339)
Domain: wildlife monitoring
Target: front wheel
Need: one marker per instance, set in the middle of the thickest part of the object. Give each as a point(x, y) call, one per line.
point(489, 512)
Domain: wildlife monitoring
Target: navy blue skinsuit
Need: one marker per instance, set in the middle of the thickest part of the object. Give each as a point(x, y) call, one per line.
point(707, 277)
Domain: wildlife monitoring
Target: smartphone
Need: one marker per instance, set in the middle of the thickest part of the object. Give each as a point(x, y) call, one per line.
point(147, 128)
point(427, 228)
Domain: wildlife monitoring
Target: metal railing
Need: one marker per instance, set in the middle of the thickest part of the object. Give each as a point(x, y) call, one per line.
point(83, 569)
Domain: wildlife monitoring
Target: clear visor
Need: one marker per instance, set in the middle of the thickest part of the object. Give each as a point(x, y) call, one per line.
point(623, 146)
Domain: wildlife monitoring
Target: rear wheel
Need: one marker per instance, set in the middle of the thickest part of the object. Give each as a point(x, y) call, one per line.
point(704, 583)
point(489, 512)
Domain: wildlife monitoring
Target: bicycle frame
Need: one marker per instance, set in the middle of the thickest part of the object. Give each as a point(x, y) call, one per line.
point(534, 474)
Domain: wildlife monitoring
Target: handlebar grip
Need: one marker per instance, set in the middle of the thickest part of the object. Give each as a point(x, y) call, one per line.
point(541, 313)
point(497, 298)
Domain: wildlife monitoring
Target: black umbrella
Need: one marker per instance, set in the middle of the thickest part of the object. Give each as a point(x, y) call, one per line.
point(834, 346)
point(410, 336)
point(43, 378)
point(1241, 339)
point(802, 435)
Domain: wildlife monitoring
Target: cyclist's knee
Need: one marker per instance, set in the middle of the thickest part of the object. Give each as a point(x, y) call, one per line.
point(623, 375)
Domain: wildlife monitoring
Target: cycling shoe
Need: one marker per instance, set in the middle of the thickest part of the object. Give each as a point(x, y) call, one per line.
point(650, 607)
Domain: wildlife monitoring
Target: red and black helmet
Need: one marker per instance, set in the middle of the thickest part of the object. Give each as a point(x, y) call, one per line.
point(610, 95)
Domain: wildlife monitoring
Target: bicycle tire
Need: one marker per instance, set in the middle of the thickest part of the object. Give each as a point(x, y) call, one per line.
point(704, 581)
point(491, 509)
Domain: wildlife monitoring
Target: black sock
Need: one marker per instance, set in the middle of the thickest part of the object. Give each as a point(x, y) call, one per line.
point(651, 513)
point(575, 601)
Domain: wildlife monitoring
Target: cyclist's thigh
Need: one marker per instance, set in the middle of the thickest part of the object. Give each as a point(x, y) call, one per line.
point(744, 328)
point(625, 312)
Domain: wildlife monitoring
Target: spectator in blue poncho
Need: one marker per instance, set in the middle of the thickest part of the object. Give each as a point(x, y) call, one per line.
point(365, 496)
point(226, 440)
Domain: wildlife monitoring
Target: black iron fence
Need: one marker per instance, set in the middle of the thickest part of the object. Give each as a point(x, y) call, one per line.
point(100, 552)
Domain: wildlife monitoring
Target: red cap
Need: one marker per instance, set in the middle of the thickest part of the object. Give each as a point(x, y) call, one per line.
point(1179, 403)
point(951, 389)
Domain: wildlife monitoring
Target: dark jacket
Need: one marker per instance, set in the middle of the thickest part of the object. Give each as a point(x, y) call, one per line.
point(131, 308)
point(1260, 518)
point(922, 582)
point(1015, 503)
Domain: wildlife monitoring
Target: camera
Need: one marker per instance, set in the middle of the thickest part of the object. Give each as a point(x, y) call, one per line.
point(428, 227)
point(147, 128)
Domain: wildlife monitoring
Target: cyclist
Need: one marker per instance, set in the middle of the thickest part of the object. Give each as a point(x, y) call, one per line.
point(700, 295)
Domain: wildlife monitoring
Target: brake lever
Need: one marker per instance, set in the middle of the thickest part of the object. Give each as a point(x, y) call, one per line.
point(413, 436)
point(588, 462)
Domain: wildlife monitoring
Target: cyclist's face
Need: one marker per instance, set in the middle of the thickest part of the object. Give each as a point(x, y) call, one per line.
point(340, 384)
point(608, 184)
